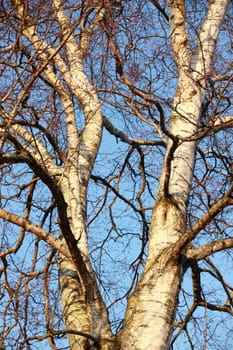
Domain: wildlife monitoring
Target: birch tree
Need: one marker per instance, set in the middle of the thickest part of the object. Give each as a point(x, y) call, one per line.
point(116, 173)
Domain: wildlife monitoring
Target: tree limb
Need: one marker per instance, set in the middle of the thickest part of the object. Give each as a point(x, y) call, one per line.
point(27, 225)
point(209, 249)
point(161, 10)
point(124, 138)
point(203, 221)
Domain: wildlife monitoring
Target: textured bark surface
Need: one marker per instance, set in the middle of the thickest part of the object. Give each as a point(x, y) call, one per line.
point(151, 307)
point(150, 311)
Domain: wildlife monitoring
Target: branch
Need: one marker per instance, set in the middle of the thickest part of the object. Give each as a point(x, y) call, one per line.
point(46, 54)
point(84, 148)
point(119, 66)
point(27, 211)
point(46, 132)
point(113, 189)
point(221, 123)
point(179, 35)
point(32, 152)
point(54, 333)
point(217, 275)
point(213, 211)
point(7, 158)
point(208, 36)
point(162, 10)
point(213, 307)
point(27, 225)
point(124, 138)
point(224, 122)
point(209, 249)
point(196, 282)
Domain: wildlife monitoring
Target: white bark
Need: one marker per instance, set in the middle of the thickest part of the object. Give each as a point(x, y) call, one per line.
point(83, 308)
point(151, 308)
point(154, 307)
point(193, 71)
point(149, 316)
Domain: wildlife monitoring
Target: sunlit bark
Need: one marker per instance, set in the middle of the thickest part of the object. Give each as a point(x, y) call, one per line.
point(151, 308)
point(149, 317)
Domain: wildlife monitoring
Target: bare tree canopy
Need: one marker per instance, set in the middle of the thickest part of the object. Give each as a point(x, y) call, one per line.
point(116, 153)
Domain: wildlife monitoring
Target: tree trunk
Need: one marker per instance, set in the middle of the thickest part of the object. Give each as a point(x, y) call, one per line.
point(82, 304)
point(83, 310)
point(150, 312)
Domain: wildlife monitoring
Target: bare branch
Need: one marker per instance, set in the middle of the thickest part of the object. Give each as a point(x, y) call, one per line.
point(162, 10)
point(209, 248)
point(124, 138)
point(213, 211)
point(27, 225)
